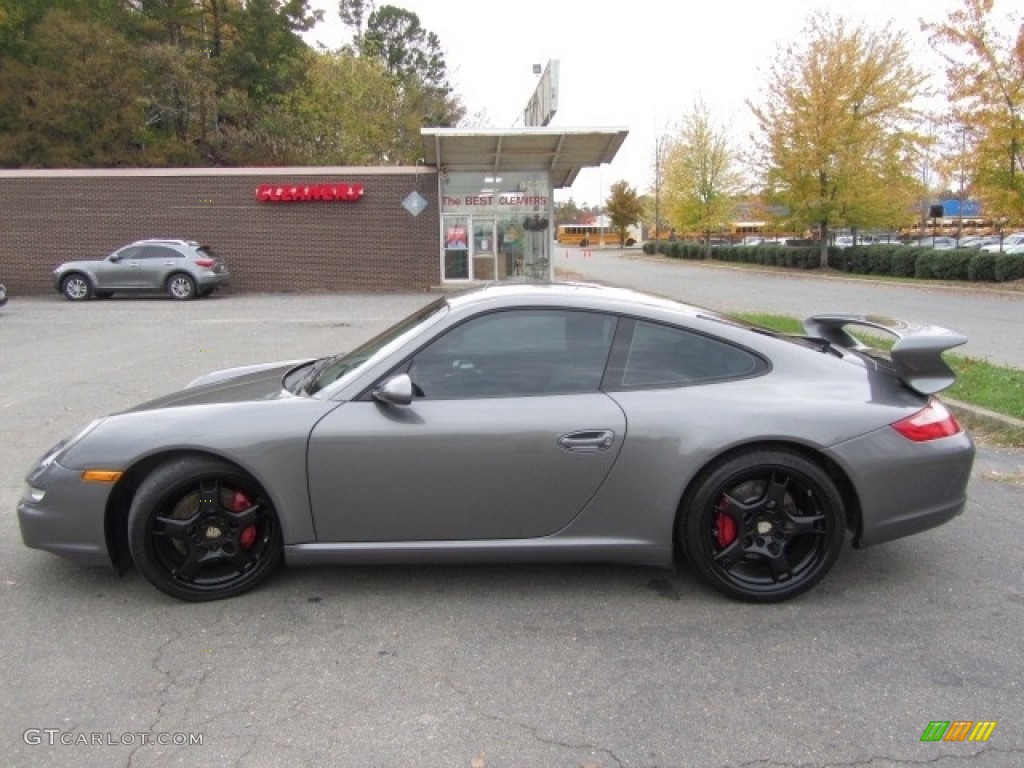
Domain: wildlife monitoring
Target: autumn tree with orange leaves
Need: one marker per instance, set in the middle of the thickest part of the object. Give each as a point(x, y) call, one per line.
point(837, 146)
point(985, 87)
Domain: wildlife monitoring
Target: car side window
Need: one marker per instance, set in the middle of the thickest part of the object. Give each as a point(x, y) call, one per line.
point(151, 252)
point(664, 356)
point(131, 253)
point(516, 353)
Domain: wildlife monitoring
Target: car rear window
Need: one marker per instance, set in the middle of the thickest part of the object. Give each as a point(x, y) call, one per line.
point(665, 356)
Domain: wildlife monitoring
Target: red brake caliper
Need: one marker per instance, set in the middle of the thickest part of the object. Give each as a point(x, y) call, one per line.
point(239, 503)
point(725, 526)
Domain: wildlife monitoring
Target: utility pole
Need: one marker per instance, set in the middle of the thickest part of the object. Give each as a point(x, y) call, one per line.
point(657, 186)
point(963, 163)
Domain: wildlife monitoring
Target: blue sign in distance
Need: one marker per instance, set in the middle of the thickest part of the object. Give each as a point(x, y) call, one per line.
point(951, 208)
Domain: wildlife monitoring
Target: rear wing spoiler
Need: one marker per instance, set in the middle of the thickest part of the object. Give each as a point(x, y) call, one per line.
point(916, 355)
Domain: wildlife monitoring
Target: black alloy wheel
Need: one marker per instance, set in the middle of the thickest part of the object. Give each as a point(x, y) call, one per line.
point(763, 526)
point(200, 529)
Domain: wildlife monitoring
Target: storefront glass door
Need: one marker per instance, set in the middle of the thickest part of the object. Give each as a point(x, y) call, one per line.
point(454, 231)
point(484, 249)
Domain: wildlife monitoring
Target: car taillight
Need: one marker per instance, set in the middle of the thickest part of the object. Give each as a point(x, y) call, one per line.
point(930, 423)
point(204, 262)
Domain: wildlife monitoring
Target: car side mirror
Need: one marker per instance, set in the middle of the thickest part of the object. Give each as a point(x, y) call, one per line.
point(114, 257)
point(395, 391)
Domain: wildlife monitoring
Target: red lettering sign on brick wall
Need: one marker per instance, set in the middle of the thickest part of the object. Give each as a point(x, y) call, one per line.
point(292, 193)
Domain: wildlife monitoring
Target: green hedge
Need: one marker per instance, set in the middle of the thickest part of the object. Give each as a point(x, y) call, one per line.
point(903, 260)
point(892, 259)
point(1009, 266)
point(943, 265)
point(982, 267)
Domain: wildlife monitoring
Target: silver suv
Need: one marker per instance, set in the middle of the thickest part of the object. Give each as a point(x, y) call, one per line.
point(183, 269)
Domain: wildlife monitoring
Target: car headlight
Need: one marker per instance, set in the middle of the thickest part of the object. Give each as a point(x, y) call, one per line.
point(63, 445)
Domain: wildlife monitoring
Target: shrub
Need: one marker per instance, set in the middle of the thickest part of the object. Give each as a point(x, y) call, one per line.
point(858, 259)
point(982, 267)
point(802, 257)
point(1009, 266)
point(943, 265)
point(693, 251)
point(880, 260)
point(904, 261)
point(649, 247)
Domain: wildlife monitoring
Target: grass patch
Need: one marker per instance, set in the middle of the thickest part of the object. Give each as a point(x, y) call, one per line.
point(995, 387)
point(989, 431)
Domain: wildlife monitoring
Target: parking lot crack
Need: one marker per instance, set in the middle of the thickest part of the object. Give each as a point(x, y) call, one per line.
point(880, 761)
point(534, 731)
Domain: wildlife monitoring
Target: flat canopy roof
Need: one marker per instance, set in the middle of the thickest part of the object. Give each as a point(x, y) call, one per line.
point(560, 152)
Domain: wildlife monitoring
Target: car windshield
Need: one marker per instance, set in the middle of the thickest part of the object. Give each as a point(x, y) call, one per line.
point(329, 370)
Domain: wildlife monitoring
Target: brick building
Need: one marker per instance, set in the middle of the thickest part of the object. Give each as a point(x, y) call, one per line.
point(372, 244)
point(476, 209)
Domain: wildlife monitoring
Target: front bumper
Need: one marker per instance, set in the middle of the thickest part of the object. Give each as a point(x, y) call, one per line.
point(69, 519)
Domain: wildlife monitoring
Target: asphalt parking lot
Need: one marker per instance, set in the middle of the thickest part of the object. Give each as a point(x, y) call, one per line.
point(481, 667)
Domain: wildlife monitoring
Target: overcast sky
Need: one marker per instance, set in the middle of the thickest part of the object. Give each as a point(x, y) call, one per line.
point(640, 68)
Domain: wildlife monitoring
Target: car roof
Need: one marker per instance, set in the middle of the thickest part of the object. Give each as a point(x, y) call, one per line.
point(170, 240)
point(512, 293)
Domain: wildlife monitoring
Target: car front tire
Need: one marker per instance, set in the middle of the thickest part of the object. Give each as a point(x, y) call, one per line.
point(181, 287)
point(763, 526)
point(201, 529)
point(76, 287)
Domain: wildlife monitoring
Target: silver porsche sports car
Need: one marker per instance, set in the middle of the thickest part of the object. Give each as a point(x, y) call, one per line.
point(520, 423)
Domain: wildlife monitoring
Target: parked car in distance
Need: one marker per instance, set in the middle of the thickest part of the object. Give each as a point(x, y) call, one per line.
point(1008, 242)
point(845, 241)
point(526, 423)
point(1016, 250)
point(183, 269)
point(975, 241)
point(938, 243)
point(752, 241)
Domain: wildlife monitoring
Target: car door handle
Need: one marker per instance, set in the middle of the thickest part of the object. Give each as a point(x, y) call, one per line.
point(588, 441)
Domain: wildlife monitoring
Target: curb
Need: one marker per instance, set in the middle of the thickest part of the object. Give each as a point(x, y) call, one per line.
point(984, 413)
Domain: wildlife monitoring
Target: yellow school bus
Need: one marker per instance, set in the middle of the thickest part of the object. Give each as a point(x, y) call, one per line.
point(585, 235)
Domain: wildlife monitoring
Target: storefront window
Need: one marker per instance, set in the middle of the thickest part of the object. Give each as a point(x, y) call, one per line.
point(509, 217)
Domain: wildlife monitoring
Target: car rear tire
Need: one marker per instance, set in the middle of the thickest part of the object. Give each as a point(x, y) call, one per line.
point(76, 287)
point(201, 529)
point(762, 526)
point(181, 287)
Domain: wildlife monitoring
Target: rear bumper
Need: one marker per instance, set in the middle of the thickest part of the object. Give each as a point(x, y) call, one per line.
point(207, 280)
point(905, 487)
